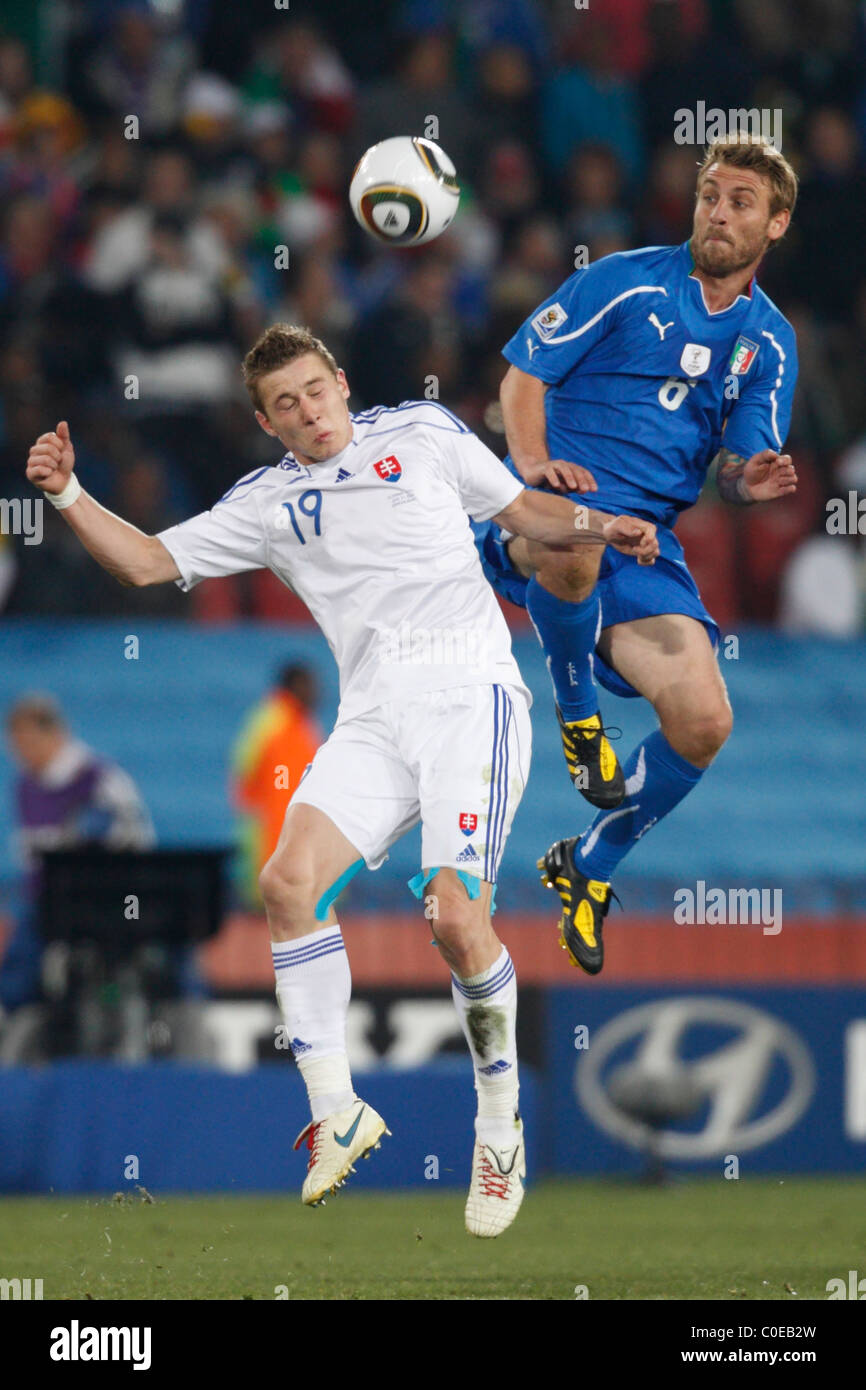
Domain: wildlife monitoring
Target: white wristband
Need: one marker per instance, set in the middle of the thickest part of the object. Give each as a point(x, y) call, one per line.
point(70, 494)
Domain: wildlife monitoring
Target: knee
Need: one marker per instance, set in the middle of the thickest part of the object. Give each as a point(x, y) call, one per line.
point(699, 737)
point(287, 886)
point(569, 574)
point(456, 931)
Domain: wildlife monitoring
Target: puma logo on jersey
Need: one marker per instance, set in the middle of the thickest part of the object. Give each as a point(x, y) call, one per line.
point(660, 326)
point(531, 347)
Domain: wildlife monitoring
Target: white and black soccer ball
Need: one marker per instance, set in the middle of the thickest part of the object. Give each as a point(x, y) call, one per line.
point(404, 191)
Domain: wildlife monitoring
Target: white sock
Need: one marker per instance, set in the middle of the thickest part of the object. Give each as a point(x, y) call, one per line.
point(487, 1007)
point(314, 985)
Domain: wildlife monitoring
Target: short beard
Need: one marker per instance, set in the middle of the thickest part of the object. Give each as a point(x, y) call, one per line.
point(705, 259)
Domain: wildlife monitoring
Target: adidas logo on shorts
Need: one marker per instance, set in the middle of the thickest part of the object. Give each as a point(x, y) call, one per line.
point(468, 856)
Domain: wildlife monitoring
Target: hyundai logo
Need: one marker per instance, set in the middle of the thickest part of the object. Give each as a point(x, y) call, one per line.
point(662, 1065)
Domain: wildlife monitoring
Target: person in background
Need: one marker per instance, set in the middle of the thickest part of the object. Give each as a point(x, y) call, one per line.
point(275, 746)
point(66, 795)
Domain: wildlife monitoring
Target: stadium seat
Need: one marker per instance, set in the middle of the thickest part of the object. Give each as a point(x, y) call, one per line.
point(216, 601)
point(171, 721)
point(769, 537)
point(516, 618)
point(706, 533)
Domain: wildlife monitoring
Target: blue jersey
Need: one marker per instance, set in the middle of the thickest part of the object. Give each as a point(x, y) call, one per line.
point(646, 384)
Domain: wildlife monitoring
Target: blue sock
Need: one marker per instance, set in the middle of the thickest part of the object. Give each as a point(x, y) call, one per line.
point(567, 633)
point(656, 780)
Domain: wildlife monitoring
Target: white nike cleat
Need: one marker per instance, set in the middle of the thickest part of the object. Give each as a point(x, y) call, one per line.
point(335, 1143)
point(496, 1190)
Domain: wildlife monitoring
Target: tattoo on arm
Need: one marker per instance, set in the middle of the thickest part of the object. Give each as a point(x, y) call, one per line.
point(730, 468)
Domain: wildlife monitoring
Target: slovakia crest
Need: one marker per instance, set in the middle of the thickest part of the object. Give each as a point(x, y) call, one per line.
point(389, 469)
point(468, 822)
point(742, 356)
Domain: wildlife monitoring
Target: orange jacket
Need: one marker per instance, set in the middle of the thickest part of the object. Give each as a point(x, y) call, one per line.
point(277, 741)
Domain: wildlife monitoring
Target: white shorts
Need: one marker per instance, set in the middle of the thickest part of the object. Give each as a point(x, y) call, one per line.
point(457, 760)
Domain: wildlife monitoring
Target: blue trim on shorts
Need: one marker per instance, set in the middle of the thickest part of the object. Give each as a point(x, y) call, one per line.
point(331, 895)
point(498, 781)
point(470, 882)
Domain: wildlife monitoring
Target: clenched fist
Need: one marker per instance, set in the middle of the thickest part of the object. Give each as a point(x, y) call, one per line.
point(51, 460)
point(632, 536)
point(769, 475)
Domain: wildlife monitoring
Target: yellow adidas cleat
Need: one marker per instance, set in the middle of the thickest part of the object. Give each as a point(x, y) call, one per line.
point(592, 764)
point(585, 904)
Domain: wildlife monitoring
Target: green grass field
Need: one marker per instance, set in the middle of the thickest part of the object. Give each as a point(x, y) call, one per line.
point(709, 1239)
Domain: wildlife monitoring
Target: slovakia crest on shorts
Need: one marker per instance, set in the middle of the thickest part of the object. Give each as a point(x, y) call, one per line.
point(389, 469)
point(742, 356)
point(468, 822)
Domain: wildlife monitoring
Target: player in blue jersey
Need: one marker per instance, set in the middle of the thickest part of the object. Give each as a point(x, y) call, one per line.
point(638, 374)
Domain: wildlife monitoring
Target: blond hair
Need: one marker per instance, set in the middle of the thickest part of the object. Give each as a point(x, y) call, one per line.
point(743, 150)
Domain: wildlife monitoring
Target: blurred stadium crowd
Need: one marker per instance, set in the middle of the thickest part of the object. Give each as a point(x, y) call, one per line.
point(139, 257)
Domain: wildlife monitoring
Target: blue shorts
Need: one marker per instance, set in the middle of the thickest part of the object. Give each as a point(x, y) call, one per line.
point(627, 590)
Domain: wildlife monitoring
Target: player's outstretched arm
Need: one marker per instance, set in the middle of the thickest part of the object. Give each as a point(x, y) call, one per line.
point(762, 478)
point(558, 523)
point(522, 399)
point(131, 556)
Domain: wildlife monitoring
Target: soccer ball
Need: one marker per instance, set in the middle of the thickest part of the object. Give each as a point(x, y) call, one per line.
point(404, 191)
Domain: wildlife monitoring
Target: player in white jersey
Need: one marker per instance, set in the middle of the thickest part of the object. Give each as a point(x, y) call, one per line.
point(366, 519)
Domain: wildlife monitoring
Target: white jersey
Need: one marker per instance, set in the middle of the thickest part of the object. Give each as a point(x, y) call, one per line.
point(377, 543)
